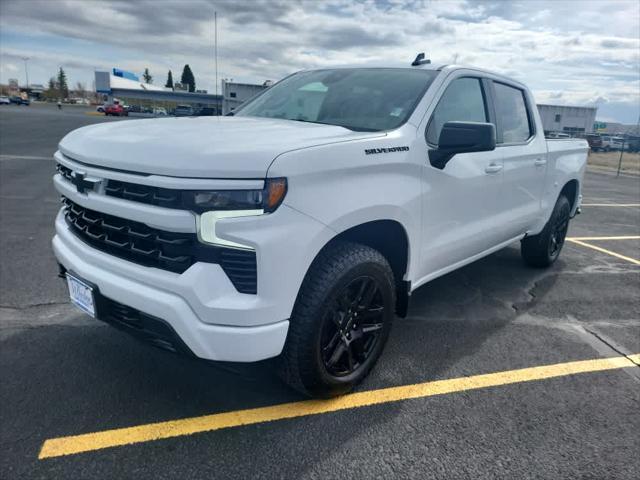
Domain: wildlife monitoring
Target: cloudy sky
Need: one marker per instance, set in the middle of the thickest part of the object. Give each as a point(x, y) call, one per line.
point(569, 52)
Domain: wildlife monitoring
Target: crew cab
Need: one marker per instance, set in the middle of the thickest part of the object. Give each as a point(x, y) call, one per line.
point(298, 227)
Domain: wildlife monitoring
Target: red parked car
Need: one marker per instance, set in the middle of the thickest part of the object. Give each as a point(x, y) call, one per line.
point(116, 109)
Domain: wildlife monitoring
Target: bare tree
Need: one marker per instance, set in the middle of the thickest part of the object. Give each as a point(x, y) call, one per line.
point(81, 90)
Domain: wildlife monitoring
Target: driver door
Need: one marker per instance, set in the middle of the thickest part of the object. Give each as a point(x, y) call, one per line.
point(460, 202)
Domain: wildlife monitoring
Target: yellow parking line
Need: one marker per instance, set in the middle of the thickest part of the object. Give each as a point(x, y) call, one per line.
point(87, 442)
point(604, 250)
point(610, 204)
point(621, 237)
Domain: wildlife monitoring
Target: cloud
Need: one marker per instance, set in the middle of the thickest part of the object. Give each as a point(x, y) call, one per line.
point(338, 38)
point(553, 46)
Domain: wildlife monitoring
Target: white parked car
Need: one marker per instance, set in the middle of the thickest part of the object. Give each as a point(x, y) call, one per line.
point(4, 100)
point(558, 135)
point(160, 111)
point(617, 143)
point(300, 226)
point(610, 142)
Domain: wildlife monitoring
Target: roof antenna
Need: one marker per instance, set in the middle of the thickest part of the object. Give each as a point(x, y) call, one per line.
point(420, 60)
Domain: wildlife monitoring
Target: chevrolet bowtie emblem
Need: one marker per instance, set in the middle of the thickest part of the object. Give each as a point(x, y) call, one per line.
point(83, 183)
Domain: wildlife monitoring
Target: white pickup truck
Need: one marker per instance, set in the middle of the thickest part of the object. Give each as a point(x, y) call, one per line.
point(299, 227)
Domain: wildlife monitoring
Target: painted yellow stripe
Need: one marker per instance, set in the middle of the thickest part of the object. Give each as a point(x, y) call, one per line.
point(604, 250)
point(175, 428)
point(610, 204)
point(621, 237)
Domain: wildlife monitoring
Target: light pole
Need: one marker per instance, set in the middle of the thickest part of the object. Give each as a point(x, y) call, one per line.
point(26, 69)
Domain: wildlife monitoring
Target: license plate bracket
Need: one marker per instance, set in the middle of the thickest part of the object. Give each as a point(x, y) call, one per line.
point(82, 294)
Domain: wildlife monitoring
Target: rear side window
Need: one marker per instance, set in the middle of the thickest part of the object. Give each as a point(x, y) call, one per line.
point(512, 114)
point(462, 101)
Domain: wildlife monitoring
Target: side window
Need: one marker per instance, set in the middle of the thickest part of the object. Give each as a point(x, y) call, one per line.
point(462, 101)
point(512, 115)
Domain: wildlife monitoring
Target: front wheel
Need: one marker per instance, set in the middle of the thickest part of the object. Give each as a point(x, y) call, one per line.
point(340, 322)
point(543, 249)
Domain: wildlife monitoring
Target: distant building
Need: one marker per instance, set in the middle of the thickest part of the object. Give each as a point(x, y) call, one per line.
point(571, 120)
point(235, 94)
point(127, 88)
point(613, 128)
point(34, 90)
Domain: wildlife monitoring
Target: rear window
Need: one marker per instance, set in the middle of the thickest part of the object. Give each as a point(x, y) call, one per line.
point(512, 114)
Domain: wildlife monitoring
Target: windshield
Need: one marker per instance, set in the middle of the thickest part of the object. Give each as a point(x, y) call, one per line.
point(361, 99)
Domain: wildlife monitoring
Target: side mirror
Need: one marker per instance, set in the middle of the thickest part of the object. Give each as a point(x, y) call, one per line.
point(462, 137)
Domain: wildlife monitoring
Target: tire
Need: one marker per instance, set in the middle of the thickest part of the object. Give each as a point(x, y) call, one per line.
point(327, 353)
point(543, 249)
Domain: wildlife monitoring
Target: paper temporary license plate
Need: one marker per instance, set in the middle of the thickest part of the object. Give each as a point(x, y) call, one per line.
point(81, 295)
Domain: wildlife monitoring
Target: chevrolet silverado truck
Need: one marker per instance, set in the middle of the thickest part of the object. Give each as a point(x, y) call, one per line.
point(298, 227)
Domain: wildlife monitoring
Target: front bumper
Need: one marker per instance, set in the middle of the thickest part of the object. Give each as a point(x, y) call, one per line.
point(209, 315)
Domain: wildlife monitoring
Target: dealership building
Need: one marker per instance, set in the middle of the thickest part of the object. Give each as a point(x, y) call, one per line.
point(565, 119)
point(129, 89)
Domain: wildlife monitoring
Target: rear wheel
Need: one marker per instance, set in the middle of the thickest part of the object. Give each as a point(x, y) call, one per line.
point(543, 249)
point(340, 322)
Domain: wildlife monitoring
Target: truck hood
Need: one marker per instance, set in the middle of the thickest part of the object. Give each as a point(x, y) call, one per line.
point(202, 147)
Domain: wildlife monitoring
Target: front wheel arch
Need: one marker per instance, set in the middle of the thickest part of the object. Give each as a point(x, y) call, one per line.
point(390, 238)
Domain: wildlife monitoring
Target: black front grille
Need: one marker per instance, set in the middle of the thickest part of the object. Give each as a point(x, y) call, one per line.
point(150, 329)
point(64, 171)
point(161, 197)
point(175, 252)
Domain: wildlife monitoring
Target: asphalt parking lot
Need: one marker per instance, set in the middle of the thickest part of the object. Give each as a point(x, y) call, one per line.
point(64, 374)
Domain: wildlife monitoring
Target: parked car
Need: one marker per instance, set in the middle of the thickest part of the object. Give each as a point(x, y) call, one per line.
point(206, 112)
point(160, 111)
point(595, 142)
point(115, 109)
point(184, 111)
point(300, 225)
point(617, 143)
point(100, 108)
point(19, 100)
point(4, 100)
point(558, 135)
point(633, 144)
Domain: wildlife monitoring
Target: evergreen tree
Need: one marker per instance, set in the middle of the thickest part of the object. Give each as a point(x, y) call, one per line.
point(52, 90)
point(188, 78)
point(63, 88)
point(169, 83)
point(146, 76)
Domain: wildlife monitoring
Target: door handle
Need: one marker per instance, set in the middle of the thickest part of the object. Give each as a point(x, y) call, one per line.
point(493, 168)
point(540, 162)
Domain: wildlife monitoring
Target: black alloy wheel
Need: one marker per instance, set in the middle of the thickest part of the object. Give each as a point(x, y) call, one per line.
point(340, 322)
point(352, 327)
point(543, 249)
point(558, 233)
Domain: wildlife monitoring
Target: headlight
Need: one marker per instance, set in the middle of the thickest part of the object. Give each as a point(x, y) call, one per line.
point(217, 204)
point(267, 199)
